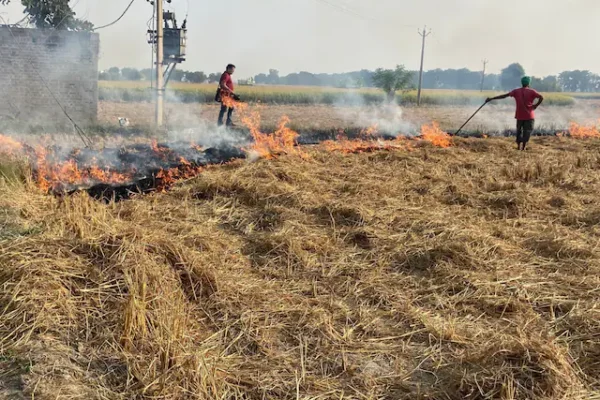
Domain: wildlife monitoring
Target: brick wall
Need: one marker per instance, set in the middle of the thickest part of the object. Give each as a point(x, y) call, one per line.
point(66, 61)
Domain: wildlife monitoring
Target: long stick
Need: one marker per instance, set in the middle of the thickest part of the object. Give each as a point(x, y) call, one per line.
point(474, 114)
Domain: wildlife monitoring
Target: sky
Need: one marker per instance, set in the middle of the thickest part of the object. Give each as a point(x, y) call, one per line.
point(545, 36)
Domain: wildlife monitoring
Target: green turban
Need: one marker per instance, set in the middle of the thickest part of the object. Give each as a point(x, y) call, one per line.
point(526, 81)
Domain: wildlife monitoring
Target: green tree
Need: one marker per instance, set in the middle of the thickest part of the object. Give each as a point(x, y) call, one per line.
point(579, 81)
point(273, 77)
point(214, 77)
point(131, 74)
point(56, 14)
point(546, 84)
point(197, 77)
point(510, 77)
point(392, 80)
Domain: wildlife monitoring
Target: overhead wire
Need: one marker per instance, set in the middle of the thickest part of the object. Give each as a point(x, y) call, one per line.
point(357, 14)
point(117, 20)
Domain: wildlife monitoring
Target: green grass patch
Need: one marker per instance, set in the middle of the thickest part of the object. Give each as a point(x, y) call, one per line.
point(205, 93)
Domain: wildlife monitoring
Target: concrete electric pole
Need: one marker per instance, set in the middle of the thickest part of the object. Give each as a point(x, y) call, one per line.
point(160, 79)
point(423, 34)
point(485, 62)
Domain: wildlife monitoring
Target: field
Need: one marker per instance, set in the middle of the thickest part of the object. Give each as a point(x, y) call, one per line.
point(205, 93)
point(468, 272)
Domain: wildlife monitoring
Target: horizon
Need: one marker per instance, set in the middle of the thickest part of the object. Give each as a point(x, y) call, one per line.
point(343, 35)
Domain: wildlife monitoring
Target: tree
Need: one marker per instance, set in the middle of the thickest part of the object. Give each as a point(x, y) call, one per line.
point(147, 74)
point(114, 74)
point(214, 77)
point(510, 77)
point(579, 81)
point(273, 77)
point(546, 84)
point(178, 75)
point(56, 14)
point(197, 77)
point(392, 80)
point(131, 74)
point(260, 79)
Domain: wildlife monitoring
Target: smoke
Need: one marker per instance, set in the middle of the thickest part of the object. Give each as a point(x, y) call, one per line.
point(498, 118)
point(187, 127)
point(387, 117)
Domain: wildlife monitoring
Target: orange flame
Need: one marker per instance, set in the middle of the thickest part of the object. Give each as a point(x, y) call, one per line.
point(268, 146)
point(433, 134)
point(9, 145)
point(583, 132)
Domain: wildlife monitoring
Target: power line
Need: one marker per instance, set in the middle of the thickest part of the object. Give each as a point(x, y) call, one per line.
point(117, 20)
point(357, 14)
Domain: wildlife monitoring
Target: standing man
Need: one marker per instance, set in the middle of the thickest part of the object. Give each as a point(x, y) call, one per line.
point(524, 98)
point(226, 91)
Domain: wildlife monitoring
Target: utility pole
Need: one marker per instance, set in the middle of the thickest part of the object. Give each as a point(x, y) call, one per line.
point(485, 62)
point(423, 34)
point(160, 80)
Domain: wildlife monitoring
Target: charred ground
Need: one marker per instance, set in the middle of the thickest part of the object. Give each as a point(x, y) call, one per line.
point(468, 272)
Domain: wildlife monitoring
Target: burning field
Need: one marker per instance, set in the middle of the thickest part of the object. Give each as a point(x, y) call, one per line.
point(414, 268)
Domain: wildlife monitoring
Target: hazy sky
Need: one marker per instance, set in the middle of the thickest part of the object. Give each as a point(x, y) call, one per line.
point(546, 36)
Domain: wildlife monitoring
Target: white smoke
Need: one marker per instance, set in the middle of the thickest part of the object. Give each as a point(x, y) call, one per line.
point(388, 117)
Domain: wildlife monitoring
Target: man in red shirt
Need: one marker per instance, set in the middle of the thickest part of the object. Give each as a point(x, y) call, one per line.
point(226, 90)
point(524, 97)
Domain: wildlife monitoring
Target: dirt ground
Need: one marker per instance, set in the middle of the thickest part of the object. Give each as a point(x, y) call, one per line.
point(324, 117)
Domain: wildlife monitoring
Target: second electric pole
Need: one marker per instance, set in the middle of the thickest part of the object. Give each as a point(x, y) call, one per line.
point(160, 79)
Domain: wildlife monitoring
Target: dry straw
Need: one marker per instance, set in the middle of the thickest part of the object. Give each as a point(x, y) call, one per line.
point(470, 272)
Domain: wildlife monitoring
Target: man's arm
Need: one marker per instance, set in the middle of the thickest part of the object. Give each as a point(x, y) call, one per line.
point(540, 101)
point(502, 96)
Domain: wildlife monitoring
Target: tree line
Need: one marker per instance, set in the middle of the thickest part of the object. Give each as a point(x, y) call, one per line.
point(457, 79)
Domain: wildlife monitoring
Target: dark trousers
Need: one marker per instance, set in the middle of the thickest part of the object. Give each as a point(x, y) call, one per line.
point(524, 130)
point(229, 111)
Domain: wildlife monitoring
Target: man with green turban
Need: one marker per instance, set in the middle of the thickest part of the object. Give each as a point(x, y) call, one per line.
point(524, 98)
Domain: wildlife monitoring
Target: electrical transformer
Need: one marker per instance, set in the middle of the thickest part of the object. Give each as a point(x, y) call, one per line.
point(175, 38)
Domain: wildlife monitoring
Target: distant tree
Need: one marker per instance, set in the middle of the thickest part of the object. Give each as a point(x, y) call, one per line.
point(392, 80)
point(214, 77)
point(546, 84)
point(178, 75)
point(273, 78)
point(103, 76)
point(197, 77)
point(510, 77)
point(114, 74)
point(260, 79)
point(131, 74)
point(54, 14)
point(579, 81)
point(147, 74)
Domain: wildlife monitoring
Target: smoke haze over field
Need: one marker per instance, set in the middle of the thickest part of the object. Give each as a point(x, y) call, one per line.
point(293, 35)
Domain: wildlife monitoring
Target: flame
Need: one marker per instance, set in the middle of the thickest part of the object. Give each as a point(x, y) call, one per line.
point(433, 134)
point(582, 131)
point(9, 145)
point(266, 145)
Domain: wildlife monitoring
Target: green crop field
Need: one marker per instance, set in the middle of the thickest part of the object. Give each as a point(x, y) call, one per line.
point(204, 93)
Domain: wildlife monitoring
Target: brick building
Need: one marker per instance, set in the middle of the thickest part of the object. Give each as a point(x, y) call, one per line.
point(67, 63)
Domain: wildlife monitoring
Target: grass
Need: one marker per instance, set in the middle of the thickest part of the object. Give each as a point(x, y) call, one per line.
point(205, 93)
point(463, 273)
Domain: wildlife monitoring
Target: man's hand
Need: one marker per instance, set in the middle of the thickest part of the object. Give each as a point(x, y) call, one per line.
point(535, 106)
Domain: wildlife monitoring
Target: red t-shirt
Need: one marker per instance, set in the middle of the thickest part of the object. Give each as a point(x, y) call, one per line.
point(226, 81)
point(524, 98)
